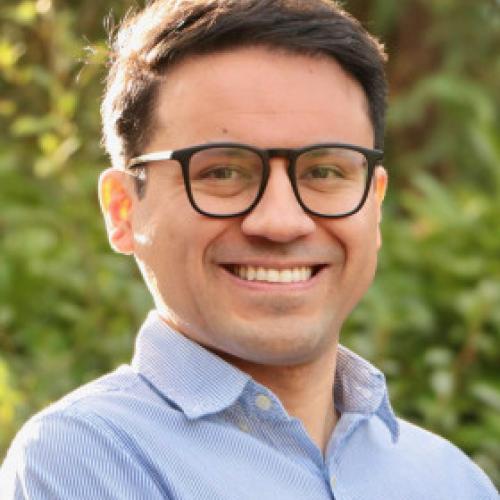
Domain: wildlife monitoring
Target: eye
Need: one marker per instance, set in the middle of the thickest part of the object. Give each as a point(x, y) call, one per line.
point(324, 172)
point(222, 172)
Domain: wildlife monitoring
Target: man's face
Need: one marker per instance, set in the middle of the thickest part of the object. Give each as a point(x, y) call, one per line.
point(266, 99)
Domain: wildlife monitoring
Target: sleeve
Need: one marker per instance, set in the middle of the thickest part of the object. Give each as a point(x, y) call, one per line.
point(69, 457)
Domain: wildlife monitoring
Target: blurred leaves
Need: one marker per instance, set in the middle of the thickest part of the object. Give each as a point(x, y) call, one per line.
point(69, 307)
point(432, 318)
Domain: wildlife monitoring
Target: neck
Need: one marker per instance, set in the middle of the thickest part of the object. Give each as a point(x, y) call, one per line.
point(306, 391)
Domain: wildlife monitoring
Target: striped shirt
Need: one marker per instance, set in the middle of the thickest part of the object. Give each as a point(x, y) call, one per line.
point(181, 423)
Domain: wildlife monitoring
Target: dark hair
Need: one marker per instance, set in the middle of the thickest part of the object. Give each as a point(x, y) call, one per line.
point(167, 31)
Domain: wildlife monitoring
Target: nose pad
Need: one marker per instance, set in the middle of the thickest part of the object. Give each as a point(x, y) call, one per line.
point(278, 215)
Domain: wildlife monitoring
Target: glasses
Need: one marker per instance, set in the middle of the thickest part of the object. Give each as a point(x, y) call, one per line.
point(228, 179)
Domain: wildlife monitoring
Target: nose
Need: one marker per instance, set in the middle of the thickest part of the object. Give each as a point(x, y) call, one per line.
point(278, 216)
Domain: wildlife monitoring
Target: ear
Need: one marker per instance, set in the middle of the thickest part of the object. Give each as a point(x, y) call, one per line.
point(380, 185)
point(116, 204)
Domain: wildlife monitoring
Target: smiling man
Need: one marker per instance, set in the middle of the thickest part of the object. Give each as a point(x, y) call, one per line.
point(247, 183)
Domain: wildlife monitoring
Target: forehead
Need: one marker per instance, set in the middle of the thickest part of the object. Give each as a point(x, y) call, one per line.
point(261, 96)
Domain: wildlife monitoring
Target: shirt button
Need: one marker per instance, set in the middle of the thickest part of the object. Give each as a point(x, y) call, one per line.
point(243, 426)
point(263, 402)
point(333, 482)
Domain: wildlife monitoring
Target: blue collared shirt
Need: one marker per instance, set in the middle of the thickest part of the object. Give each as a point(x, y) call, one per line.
point(181, 423)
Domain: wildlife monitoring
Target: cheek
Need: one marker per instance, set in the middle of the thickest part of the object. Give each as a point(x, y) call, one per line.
point(358, 235)
point(357, 232)
point(158, 242)
point(174, 243)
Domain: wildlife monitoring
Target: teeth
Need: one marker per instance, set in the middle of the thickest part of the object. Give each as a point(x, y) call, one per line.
point(243, 272)
point(261, 274)
point(291, 275)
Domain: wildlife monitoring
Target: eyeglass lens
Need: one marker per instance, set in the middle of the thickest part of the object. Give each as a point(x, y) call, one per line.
point(227, 180)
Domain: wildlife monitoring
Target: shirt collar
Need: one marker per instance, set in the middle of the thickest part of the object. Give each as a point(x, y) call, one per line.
point(200, 382)
point(188, 375)
point(361, 388)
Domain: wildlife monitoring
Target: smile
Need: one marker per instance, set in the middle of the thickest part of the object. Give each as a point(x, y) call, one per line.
point(270, 275)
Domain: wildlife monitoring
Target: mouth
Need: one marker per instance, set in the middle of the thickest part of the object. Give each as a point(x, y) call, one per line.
point(296, 274)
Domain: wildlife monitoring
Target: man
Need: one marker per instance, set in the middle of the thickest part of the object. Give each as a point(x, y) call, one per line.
point(246, 143)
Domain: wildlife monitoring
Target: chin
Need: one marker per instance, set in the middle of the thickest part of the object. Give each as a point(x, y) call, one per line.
point(278, 346)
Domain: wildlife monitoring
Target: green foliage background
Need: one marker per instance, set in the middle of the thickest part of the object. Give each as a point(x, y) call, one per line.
point(69, 307)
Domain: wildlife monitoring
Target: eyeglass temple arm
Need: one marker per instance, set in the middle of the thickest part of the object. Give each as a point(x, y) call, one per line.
point(157, 156)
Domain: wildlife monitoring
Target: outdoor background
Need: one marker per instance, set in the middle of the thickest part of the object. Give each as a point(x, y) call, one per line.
point(70, 308)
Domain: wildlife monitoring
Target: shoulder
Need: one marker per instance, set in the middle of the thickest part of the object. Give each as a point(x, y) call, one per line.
point(76, 444)
point(440, 463)
point(94, 408)
point(418, 464)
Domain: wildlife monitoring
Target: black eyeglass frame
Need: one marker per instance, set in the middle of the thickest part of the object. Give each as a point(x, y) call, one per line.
point(183, 156)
